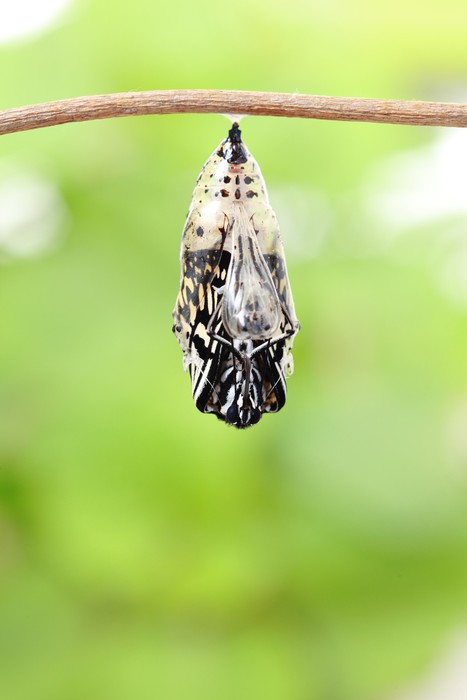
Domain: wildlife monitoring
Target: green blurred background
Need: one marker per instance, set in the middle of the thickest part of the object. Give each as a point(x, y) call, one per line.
point(146, 550)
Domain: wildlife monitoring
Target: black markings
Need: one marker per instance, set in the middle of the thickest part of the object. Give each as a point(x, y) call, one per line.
point(200, 231)
point(248, 180)
point(237, 150)
point(237, 180)
point(227, 179)
point(235, 134)
point(225, 193)
point(237, 194)
point(220, 152)
point(251, 194)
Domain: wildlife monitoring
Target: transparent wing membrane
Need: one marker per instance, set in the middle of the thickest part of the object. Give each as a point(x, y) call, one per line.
point(251, 309)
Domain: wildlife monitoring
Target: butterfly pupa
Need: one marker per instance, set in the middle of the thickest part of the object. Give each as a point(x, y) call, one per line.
point(234, 317)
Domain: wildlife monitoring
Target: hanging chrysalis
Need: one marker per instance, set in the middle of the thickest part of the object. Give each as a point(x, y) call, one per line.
point(234, 317)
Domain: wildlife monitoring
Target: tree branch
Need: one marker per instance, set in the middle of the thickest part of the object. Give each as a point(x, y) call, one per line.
point(124, 104)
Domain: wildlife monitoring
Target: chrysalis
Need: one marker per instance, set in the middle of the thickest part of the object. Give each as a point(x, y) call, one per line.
point(234, 317)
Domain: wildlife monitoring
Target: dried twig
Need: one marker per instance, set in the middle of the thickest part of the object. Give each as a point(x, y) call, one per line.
point(124, 104)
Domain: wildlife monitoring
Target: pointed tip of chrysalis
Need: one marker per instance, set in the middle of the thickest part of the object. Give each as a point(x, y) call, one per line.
point(235, 135)
point(235, 152)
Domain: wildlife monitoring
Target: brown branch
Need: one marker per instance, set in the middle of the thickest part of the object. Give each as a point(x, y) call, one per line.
point(124, 104)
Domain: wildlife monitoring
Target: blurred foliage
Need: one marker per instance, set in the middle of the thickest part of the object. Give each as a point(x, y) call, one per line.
point(146, 550)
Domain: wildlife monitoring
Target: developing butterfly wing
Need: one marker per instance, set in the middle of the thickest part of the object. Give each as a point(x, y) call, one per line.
point(252, 195)
point(204, 260)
